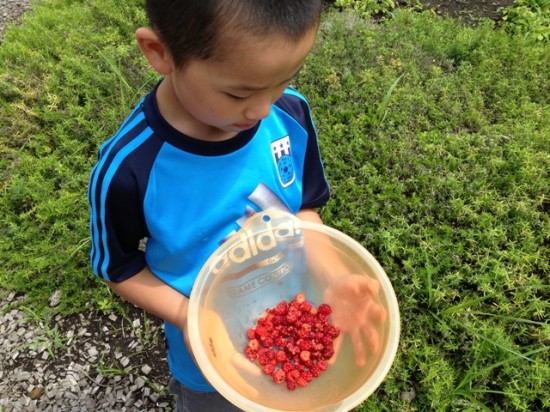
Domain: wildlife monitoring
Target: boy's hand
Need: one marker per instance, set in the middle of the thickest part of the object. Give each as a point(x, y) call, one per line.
point(355, 311)
point(232, 364)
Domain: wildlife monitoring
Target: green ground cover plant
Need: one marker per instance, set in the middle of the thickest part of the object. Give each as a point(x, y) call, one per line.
point(436, 138)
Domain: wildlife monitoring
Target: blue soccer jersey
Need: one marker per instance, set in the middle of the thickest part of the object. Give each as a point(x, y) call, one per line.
point(186, 196)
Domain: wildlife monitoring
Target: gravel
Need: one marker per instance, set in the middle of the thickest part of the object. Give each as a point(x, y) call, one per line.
point(86, 362)
point(10, 11)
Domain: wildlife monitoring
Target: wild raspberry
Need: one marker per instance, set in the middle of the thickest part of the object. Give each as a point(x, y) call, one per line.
point(279, 320)
point(302, 333)
point(251, 354)
point(328, 353)
point(322, 364)
point(321, 317)
point(299, 298)
point(279, 341)
point(326, 341)
point(281, 308)
point(280, 356)
point(269, 369)
point(304, 344)
point(261, 331)
point(305, 306)
point(278, 376)
point(266, 341)
point(315, 370)
point(305, 355)
point(301, 382)
point(262, 360)
point(287, 367)
point(291, 385)
point(333, 331)
point(291, 318)
point(325, 309)
point(308, 376)
point(251, 333)
point(270, 353)
point(254, 344)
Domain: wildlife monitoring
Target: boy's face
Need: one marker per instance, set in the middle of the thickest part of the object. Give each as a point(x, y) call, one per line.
point(216, 100)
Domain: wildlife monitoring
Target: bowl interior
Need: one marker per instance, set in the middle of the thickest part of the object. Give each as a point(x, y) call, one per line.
point(272, 258)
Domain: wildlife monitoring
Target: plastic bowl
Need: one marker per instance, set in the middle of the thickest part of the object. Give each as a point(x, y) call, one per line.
point(272, 258)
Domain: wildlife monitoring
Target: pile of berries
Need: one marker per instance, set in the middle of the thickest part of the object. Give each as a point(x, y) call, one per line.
point(293, 341)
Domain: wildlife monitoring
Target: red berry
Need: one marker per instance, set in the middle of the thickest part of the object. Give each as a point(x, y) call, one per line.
point(280, 356)
point(326, 341)
point(261, 331)
point(279, 341)
point(299, 298)
point(267, 342)
point(322, 364)
point(291, 385)
point(321, 317)
point(251, 333)
point(278, 376)
point(305, 355)
point(281, 308)
point(301, 382)
point(287, 367)
point(269, 369)
point(291, 318)
point(304, 344)
point(325, 309)
point(305, 306)
point(270, 353)
point(253, 344)
point(333, 331)
point(251, 354)
point(308, 376)
point(328, 353)
point(315, 371)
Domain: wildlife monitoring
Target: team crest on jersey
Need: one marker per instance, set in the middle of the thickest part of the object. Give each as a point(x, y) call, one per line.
point(282, 155)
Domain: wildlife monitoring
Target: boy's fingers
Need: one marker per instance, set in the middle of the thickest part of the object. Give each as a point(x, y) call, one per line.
point(336, 345)
point(358, 346)
point(373, 337)
point(242, 363)
point(377, 313)
point(243, 386)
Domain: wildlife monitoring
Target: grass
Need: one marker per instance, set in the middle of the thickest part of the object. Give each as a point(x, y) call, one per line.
point(436, 142)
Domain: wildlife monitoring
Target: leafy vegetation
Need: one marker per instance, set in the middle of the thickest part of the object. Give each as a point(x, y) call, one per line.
point(530, 18)
point(436, 142)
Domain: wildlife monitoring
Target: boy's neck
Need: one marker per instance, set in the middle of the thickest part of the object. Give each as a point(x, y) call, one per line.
point(180, 120)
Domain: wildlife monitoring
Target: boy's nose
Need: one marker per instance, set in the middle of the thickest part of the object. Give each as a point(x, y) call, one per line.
point(259, 110)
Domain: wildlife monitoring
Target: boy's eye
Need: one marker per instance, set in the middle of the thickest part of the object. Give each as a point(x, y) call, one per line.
point(235, 97)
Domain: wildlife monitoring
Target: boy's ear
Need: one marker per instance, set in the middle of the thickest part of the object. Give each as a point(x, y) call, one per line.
point(154, 50)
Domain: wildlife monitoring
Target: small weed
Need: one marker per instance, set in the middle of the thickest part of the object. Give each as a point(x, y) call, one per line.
point(51, 340)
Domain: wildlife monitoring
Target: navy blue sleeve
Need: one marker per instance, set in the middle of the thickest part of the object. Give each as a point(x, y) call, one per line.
point(316, 191)
point(117, 187)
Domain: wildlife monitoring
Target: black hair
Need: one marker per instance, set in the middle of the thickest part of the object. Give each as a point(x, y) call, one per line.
point(193, 28)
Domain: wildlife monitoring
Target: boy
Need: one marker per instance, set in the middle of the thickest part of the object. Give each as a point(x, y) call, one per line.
point(219, 138)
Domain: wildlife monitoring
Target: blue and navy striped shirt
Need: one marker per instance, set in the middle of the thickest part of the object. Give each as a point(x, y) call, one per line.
point(186, 196)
